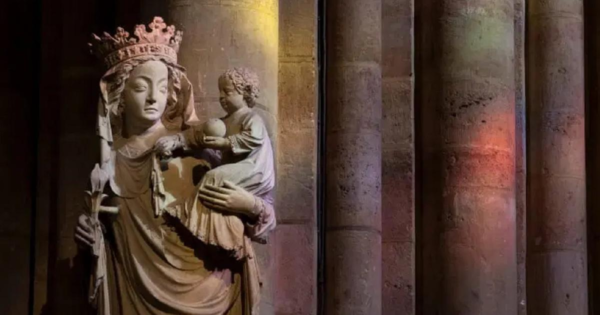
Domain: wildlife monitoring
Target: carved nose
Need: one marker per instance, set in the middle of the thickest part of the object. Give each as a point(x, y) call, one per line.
point(151, 100)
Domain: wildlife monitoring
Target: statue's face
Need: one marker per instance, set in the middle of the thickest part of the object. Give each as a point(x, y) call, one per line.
point(145, 94)
point(230, 98)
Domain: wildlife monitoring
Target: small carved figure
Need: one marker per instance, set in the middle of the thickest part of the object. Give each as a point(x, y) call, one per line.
point(247, 161)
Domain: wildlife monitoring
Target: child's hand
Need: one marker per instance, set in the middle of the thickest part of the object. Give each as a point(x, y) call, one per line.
point(165, 145)
point(217, 143)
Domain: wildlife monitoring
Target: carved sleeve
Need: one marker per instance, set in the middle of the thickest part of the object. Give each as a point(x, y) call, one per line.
point(266, 222)
point(252, 136)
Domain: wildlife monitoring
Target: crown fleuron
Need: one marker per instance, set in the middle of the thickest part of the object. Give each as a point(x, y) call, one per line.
point(161, 40)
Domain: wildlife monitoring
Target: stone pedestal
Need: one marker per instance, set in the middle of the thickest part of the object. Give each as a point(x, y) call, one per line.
point(466, 106)
point(556, 210)
point(353, 157)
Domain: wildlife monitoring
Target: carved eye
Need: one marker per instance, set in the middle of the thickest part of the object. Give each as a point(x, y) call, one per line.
point(140, 88)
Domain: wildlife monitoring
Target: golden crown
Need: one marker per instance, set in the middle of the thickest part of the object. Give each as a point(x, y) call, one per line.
point(162, 41)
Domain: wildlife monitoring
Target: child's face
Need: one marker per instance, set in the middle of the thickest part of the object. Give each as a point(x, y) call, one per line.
point(230, 98)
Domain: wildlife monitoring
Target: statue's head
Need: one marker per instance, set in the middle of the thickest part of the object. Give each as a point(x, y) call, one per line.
point(144, 85)
point(144, 97)
point(238, 87)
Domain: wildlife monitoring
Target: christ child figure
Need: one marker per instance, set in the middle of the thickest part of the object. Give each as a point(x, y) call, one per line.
point(246, 160)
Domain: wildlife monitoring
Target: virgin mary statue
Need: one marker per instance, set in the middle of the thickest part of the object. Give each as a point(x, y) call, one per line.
point(148, 263)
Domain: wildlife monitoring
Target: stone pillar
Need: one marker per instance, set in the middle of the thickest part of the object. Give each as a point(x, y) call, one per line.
point(236, 33)
point(556, 218)
point(397, 196)
point(353, 157)
point(296, 234)
point(466, 106)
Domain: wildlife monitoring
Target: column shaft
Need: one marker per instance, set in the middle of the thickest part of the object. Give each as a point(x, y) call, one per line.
point(466, 103)
point(556, 220)
point(353, 160)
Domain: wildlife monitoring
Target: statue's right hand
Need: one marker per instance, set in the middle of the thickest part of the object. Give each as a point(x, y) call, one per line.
point(165, 145)
point(84, 234)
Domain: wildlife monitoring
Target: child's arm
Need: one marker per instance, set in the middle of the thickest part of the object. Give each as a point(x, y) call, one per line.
point(253, 135)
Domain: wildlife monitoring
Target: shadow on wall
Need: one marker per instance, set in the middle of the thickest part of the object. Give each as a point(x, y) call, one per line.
point(71, 287)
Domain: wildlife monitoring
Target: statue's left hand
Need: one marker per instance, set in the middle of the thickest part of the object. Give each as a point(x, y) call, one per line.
point(229, 198)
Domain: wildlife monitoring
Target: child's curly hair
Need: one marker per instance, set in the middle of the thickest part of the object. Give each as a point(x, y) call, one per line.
point(246, 82)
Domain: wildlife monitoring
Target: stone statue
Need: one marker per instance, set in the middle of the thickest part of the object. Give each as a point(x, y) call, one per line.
point(247, 161)
point(148, 261)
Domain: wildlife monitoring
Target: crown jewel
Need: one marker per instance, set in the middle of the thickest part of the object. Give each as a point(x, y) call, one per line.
point(161, 40)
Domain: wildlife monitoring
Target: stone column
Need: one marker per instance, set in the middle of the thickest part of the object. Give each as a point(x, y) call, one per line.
point(556, 219)
point(466, 106)
point(397, 178)
point(353, 157)
point(234, 33)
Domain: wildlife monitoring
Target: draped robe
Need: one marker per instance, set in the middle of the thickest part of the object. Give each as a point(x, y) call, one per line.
point(154, 264)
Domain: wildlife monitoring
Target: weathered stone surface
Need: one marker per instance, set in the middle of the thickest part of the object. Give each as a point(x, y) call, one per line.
point(297, 32)
point(298, 94)
point(556, 215)
point(353, 159)
point(297, 159)
point(354, 272)
point(558, 292)
point(354, 180)
point(466, 103)
point(355, 28)
point(398, 280)
point(296, 269)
